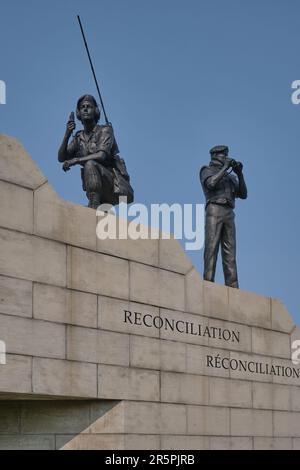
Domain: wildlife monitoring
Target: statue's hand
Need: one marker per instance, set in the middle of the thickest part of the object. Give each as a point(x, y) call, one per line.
point(238, 168)
point(228, 163)
point(66, 166)
point(70, 127)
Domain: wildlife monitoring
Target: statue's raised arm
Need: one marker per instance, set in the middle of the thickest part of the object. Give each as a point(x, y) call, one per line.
point(94, 148)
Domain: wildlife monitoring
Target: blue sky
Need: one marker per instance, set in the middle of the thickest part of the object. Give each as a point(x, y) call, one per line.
point(177, 78)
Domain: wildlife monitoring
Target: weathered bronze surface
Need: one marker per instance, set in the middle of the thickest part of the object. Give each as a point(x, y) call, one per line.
point(221, 189)
point(95, 149)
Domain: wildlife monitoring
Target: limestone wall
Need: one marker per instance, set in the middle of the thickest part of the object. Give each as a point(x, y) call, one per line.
point(129, 326)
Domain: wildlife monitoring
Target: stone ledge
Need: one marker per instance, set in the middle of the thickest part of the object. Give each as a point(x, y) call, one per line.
point(16, 166)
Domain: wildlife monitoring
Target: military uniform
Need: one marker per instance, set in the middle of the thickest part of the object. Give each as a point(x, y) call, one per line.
point(97, 178)
point(219, 224)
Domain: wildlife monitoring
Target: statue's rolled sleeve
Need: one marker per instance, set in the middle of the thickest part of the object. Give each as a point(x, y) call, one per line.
point(107, 140)
point(205, 174)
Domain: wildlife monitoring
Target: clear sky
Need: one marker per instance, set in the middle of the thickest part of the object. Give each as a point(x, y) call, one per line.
point(177, 78)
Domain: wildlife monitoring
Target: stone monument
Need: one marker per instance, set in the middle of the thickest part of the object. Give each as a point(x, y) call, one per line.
point(120, 344)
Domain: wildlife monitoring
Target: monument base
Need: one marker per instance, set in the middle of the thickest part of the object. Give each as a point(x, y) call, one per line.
point(119, 344)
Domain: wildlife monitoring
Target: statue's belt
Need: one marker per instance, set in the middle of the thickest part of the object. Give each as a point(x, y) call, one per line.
point(221, 202)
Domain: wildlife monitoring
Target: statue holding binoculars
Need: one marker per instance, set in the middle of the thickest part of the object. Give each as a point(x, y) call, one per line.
point(221, 188)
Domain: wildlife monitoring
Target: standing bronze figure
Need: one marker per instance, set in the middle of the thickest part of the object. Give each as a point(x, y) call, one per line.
point(220, 189)
point(103, 173)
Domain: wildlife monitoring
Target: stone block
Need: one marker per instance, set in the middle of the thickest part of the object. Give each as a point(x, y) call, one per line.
point(172, 356)
point(183, 327)
point(90, 442)
point(16, 207)
point(64, 378)
point(54, 417)
point(145, 352)
point(9, 418)
point(184, 388)
point(216, 300)
point(184, 443)
point(230, 443)
point(15, 297)
point(16, 166)
point(208, 420)
point(197, 361)
point(296, 444)
point(126, 317)
point(251, 422)
point(194, 302)
point(62, 305)
point(271, 396)
point(101, 347)
point(60, 220)
point(144, 284)
point(107, 417)
point(141, 442)
point(286, 424)
point(295, 398)
point(227, 335)
point(32, 337)
point(286, 373)
point(143, 250)
point(33, 258)
point(250, 367)
point(249, 308)
point(150, 353)
point(271, 343)
point(295, 336)
point(281, 319)
point(96, 273)
point(272, 443)
point(156, 286)
point(33, 442)
point(173, 257)
point(228, 392)
point(172, 417)
point(15, 375)
point(118, 383)
point(155, 418)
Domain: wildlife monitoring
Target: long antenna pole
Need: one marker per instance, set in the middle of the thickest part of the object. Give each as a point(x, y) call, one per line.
point(91, 64)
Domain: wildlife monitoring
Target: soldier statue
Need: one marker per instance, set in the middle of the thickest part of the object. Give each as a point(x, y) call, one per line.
point(103, 173)
point(220, 188)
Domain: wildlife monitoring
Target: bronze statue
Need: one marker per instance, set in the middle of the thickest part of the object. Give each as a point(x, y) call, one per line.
point(220, 189)
point(103, 173)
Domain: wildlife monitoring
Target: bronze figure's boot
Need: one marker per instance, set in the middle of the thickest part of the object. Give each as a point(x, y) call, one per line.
point(94, 200)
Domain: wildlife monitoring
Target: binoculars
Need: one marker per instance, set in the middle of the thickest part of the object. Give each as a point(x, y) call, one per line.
point(234, 164)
